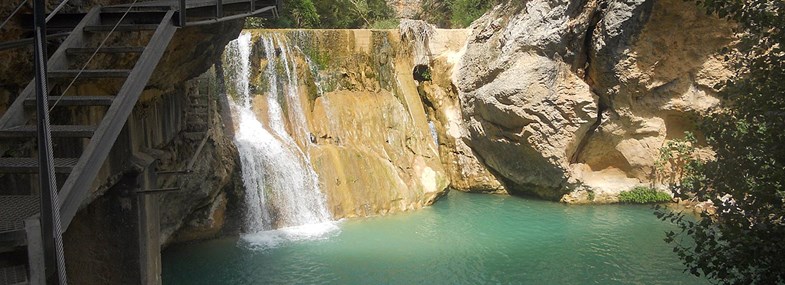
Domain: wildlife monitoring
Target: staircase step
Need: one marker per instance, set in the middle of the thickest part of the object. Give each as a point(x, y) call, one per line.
point(93, 73)
point(14, 210)
point(14, 275)
point(60, 131)
point(76, 51)
point(165, 8)
point(76, 100)
point(121, 28)
point(30, 165)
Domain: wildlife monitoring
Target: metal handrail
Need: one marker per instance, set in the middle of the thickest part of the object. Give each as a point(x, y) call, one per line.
point(57, 9)
point(92, 56)
point(16, 10)
point(21, 4)
point(219, 13)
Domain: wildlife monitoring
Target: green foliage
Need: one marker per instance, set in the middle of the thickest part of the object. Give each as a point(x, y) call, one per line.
point(454, 13)
point(422, 73)
point(676, 160)
point(427, 75)
point(643, 195)
point(255, 23)
point(742, 242)
point(320, 58)
point(464, 12)
point(333, 14)
point(436, 12)
point(297, 14)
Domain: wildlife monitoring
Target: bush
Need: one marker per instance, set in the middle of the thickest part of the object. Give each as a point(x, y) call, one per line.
point(464, 12)
point(454, 13)
point(644, 195)
point(741, 242)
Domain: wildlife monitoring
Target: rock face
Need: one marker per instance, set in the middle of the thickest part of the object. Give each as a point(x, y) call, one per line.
point(200, 209)
point(562, 98)
point(368, 135)
point(443, 50)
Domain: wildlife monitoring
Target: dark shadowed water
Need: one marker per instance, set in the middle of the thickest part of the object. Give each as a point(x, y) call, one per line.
point(463, 239)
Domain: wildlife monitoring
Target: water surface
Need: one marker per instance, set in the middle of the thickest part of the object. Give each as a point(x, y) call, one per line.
point(463, 239)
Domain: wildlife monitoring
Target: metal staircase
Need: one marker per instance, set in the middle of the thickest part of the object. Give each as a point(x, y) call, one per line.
point(112, 33)
point(82, 170)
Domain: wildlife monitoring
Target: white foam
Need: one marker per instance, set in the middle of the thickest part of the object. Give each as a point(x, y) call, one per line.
point(276, 238)
point(281, 186)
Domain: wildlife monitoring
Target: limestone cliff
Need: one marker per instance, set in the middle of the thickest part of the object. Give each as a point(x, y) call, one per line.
point(564, 98)
point(368, 135)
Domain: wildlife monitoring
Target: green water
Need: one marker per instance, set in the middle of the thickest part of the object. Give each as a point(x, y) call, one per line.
point(463, 239)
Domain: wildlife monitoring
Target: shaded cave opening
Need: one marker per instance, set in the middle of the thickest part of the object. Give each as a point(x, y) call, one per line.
point(421, 73)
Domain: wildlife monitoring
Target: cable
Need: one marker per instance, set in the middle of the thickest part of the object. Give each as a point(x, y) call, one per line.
point(84, 67)
point(57, 9)
point(19, 7)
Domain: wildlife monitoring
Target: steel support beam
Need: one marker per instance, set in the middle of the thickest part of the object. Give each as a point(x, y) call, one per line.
point(50, 213)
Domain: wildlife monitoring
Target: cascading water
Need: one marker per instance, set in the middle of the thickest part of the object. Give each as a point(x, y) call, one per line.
point(283, 198)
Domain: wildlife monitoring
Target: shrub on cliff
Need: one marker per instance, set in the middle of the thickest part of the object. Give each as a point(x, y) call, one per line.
point(643, 195)
point(328, 14)
point(454, 13)
point(348, 14)
point(742, 242)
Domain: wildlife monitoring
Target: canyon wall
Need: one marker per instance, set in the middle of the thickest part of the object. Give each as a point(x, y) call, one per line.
point(368, 136)
point(562, 100)
point(571, 100)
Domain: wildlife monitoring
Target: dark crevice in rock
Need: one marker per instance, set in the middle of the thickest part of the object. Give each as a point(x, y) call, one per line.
point(602, 104)
point(584, 59)
point(601, 108)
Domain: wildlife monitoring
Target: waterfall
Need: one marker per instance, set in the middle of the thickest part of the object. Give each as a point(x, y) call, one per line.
point(282, 195)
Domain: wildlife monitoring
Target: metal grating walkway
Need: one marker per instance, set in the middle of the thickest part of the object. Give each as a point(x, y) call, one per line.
point(75, 101)
point(15, 275)
point(30, 165)
point(69, 131)
point(14, 210)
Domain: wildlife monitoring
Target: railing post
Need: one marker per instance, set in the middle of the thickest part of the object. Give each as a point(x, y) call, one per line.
point(182, 13)
point(35, 251)
point(52, 239)
point(149, 230)
point(219, 9)
point(253, 5)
